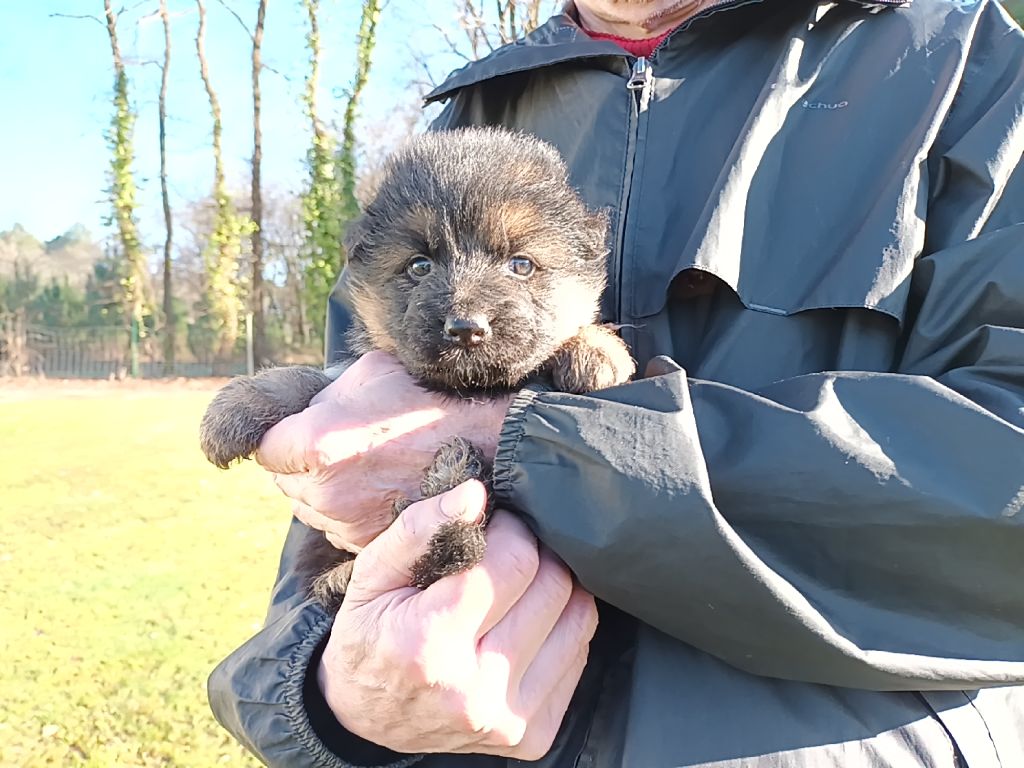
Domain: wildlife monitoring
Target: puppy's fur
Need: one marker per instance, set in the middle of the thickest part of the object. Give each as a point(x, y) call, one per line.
point(478, 267)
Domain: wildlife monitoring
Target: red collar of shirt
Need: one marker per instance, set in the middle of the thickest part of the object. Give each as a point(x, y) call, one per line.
point(637, 48)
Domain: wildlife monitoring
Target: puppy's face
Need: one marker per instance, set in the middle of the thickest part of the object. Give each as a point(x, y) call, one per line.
point(476, 261)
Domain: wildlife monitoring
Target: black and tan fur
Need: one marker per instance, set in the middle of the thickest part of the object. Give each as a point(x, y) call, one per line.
point(478, 267)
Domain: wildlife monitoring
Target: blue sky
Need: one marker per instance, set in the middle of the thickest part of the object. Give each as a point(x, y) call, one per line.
point(56, 77)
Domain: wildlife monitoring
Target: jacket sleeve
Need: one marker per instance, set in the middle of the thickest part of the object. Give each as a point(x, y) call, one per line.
point(265, 693)
point(860, 529)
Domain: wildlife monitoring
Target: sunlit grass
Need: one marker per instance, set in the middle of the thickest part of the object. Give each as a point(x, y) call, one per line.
point(128, 568)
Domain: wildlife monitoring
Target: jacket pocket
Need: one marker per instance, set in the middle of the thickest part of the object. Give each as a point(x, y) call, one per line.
point(818, 199)
point(782, 275)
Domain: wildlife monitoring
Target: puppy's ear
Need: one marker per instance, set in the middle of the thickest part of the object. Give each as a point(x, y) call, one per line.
point(356, 236)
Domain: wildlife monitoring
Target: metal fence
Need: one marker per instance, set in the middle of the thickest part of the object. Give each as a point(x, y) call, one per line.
point(96, 352)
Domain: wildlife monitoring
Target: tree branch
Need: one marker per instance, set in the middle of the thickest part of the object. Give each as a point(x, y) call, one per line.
point(238, 18)
point(452, 45)
point(74, 16)
point(279, 73)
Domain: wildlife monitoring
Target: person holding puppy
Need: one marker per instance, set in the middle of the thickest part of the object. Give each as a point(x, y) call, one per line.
point(797, 540)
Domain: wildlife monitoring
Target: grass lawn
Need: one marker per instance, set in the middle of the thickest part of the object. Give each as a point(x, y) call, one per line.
point(128, 568)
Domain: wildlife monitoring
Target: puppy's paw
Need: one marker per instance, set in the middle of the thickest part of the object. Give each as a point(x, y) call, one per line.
point(398, 506)
point(455, 547)
point(243, 411)
point(455, 462)
point(594, 359)
point(329, 587)
point(323, 570)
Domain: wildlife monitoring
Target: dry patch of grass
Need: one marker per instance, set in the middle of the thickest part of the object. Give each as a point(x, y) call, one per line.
point(128, 568)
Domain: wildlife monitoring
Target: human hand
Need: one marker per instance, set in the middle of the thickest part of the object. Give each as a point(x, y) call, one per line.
point(366, 440)
point(484, 661)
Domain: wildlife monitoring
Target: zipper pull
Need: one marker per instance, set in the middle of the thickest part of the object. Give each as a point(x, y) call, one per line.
point(640, 76)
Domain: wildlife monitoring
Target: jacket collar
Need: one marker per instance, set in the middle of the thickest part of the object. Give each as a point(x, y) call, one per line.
point(558, 40)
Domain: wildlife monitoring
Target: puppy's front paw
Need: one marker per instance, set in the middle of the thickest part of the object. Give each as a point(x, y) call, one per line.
point(455, 462)
point(455, 547)
point(594, 359)
point(323, 570)
point(243, 411)
point(329, 587)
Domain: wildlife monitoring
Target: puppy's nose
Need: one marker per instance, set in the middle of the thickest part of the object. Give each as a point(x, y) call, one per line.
point(467, 331)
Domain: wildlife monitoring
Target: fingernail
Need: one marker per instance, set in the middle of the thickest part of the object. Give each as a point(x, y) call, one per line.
point(465, 502)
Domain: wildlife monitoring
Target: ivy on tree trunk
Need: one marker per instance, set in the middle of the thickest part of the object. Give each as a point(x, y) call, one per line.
point(131, 265)
point(329, 202)
point(222, 294)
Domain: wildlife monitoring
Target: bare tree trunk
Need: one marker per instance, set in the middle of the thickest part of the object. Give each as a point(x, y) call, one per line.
point(204, 73)
point(313, 79)
point(347, 155)
point(111, 17)
point(260, 351)
point(169, 340)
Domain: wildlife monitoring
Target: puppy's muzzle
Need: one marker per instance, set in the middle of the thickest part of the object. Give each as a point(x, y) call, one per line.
point(470, 331)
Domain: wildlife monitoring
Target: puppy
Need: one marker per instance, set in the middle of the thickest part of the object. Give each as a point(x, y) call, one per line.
point(479, 267)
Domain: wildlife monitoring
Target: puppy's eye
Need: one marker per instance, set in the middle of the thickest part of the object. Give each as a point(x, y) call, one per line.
point(419, 267)
point(520, 266)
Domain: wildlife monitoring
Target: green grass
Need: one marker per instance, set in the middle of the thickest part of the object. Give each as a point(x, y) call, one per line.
point(128, 568)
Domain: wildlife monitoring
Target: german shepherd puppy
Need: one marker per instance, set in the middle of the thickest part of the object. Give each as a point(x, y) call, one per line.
point(479, 267)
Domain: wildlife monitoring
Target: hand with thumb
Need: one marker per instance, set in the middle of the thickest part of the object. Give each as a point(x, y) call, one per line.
point(484, 661)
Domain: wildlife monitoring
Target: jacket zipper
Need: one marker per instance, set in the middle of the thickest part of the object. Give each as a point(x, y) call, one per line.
point(639, 85)
point(641, 76)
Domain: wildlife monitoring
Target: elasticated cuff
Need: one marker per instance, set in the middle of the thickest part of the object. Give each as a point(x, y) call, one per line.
point(266, 695)
point(357, 752)
point(512, 430)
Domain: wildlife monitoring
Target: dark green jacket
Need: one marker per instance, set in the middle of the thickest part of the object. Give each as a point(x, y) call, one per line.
point(808, 542)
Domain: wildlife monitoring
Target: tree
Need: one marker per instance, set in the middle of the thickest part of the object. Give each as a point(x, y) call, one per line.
point(321, 202)
point(347, 154)
point(330, 200)
point(486, 25)
point(19, 289)
point(169, 335)
point(284, 239)
point(510, 21)
point(222, 300)
point(257, 288)
point(122, 187)
point(261, 352)
point(59, 305)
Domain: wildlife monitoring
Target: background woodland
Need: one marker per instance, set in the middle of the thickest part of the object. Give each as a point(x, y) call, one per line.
point(247, 266)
